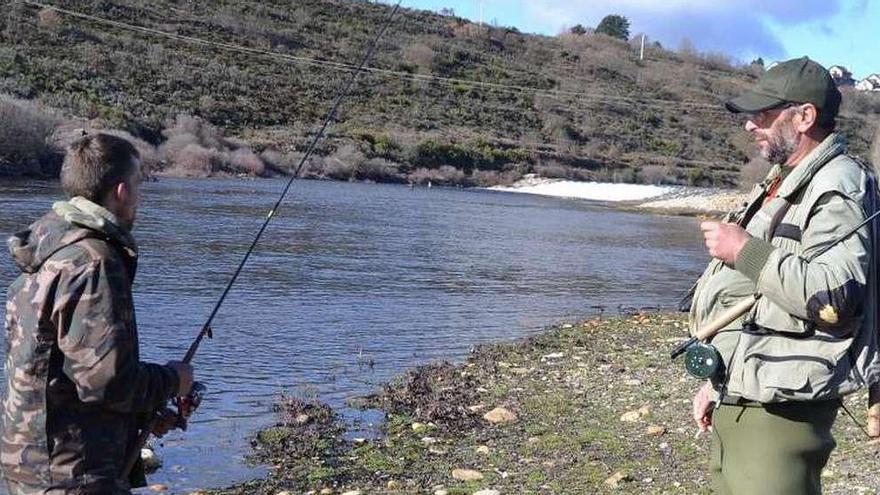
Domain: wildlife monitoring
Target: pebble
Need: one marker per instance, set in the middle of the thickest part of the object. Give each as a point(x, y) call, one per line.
point(417, 427)
point(352, 492)
point(487, 492)
point(327, 491)
point(158, 487)
point(441, 492)
point(499, 415)
point(636, 415)
point(429, 440)
point(555, 355)
point(476, 408)
point(655, 430)
point(302, 419)
point(483, 449)
point(359, 441)
point(467, 475)
point(616, 478)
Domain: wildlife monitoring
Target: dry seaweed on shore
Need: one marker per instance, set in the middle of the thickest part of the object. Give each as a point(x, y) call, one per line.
point(438, 393)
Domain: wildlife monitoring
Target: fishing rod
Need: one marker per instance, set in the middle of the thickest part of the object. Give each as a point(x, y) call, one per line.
point(206, 328)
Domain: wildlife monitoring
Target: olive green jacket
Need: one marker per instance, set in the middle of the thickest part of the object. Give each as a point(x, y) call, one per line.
point(812, 335)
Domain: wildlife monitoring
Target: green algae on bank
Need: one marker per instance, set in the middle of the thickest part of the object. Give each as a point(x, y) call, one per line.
point(595, 407)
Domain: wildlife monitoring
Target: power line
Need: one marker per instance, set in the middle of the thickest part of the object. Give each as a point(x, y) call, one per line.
point(341, 66)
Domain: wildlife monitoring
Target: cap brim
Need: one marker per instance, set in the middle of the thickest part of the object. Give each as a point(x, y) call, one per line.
point(752, 103)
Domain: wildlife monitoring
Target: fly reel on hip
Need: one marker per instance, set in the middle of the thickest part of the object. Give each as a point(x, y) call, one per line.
point(702, 360)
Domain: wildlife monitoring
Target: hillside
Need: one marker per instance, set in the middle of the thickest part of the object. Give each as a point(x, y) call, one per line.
point(452, 102)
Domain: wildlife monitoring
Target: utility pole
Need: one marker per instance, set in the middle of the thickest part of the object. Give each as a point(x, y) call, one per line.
point(481, 12)
point(642, 52)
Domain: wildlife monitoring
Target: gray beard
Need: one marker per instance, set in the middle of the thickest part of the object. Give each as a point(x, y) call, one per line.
point(781, 146)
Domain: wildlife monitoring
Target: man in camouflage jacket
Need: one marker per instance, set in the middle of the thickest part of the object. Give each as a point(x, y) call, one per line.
point(76, 389)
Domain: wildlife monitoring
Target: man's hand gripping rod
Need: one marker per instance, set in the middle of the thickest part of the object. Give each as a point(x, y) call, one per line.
point(186, 405)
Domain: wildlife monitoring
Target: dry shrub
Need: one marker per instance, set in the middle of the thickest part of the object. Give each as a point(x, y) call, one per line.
point(753, 172)
point(245, 159)
point(468, 30)
point(553, 170)
point(194, 147)
point(444, 175)
point(195, 161)
point(24, 135)
point(657, 174)
point(341, 165)
point(49, 19)
point(379, 170)
point(489, 178)
point(420, 55)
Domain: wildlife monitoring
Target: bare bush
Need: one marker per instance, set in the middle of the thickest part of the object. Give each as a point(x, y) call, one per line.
point(444, 175)
point(49, 19)
point(195, 161)
point(378, 170)
point(195, 147)
point(246, 160)
point(420, 55)
point(24, 136)
point(489, 178)
point(657, 174)
point(553, 170)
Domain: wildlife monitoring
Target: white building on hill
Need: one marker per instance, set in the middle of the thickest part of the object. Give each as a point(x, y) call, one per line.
point(870, 83)
point(841, 75)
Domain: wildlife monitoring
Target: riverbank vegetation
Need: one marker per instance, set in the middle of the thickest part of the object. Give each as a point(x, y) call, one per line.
point(591, 407)
point(454, 102)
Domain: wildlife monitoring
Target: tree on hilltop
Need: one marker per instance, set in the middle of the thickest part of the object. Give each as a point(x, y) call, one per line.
point(616, 26)
point(578, 30)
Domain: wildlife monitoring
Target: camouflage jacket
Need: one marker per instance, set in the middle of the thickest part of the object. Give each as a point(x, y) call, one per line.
point(76, 389)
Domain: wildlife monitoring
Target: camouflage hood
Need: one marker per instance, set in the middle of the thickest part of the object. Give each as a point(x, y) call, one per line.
point(68, 222)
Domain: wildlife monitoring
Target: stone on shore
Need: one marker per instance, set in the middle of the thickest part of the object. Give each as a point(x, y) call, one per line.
point(467, 475)
point(499, 415)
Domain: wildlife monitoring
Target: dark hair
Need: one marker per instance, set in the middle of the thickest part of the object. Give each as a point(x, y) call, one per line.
point(95, 164)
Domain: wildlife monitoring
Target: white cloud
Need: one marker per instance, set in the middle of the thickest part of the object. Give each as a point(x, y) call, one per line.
point(736, 27)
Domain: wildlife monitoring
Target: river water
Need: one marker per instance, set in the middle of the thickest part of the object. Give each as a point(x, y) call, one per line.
point(350, 274)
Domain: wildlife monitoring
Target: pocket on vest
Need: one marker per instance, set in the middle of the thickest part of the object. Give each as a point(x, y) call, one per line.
point(791, 377)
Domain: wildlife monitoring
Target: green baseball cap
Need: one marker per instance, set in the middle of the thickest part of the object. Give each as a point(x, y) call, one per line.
point(800, 80)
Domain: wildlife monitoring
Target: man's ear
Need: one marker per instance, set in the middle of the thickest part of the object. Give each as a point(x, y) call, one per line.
point(809, 117)
point(121, 192)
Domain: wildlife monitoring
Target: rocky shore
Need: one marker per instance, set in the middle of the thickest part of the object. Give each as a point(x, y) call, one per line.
point(588, 407)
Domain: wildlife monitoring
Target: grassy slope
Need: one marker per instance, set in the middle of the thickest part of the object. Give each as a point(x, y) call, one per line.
point(569, 388)
point(138, 81)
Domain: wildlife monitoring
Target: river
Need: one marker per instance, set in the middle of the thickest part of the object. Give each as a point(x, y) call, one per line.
point(354, 283)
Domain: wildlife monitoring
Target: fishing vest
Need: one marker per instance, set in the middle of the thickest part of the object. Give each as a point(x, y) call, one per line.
point(784, 350)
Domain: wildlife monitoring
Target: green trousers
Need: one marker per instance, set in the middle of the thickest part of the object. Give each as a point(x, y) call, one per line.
point(775, 449)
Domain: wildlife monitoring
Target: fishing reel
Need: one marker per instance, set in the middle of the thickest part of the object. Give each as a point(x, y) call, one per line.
point(186, 406)
point(703, 361)
point(700, 360)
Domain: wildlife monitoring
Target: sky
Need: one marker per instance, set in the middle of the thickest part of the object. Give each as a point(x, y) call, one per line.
point(832, 32)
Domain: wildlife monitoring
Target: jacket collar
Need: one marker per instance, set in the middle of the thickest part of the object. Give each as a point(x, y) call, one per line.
point(84, 213)
point(832, 146)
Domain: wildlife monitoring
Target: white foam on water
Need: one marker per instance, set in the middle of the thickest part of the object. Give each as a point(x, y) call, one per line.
point(595, 191)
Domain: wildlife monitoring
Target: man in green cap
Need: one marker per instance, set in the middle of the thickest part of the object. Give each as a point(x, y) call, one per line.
point(811, 337)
